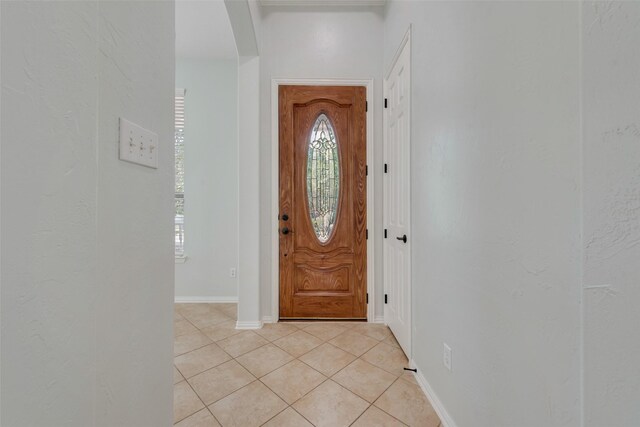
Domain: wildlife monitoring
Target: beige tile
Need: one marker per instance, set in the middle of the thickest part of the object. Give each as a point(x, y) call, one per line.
point(288, 418)
point(327, 359)
point(389, 358)
point(225, 306)
point(348, 324)
point(199, 419)
point(208, 319)
point(300, 325)
point(406, 402)
point(250, 406)
point(374, 417)
point(293, 380)
point(194, 362)
point(325, 331)
point(177, 376)
point(193, 309)
point(391, 340)
point(183, 326)
point(232, 312)
point(222, 330)
point(189, 342)
point(218, 382)
point(298, 343)
point(264, 359)
point(409, 376)
point(185, 401)
point(242, 343)
point(330, 405)
point(378, 331)
point(274, 331)
point(353, 342)
point(364, 379)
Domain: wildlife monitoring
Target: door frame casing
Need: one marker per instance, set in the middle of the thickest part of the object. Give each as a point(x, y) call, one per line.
point(275, 188)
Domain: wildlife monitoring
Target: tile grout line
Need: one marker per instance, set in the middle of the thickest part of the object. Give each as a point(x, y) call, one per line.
point(199, 398)
point(385, 390)
point(307, 419)
point(327, 378)
point(214, 417)
point(268, 341)
point(376, 399)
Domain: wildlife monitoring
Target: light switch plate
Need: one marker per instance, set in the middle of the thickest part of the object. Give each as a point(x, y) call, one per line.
point(138, 145)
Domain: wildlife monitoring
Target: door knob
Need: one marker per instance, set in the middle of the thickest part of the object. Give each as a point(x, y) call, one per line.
point(285, 230)
point(403, 238)
point(285, 217)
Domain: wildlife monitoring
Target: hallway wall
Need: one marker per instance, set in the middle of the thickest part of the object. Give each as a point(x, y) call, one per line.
point(611, 216)
point(316, 43)
point(87, 253)
point(496, 206)
point(211, 179)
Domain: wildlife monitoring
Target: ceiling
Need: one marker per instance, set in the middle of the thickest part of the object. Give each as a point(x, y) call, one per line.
point(203, 30)
point(328, 3)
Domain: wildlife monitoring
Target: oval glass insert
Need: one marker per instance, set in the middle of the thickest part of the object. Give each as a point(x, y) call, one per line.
point(323, 178)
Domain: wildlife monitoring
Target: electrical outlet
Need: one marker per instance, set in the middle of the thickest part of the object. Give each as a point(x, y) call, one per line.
point(138, 145)
point(446, 357)
point(232, 272)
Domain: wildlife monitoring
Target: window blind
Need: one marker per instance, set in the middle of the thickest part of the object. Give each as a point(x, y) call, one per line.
point(179, 102)
point(179, 172)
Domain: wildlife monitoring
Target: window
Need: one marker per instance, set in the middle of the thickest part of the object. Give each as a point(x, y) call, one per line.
point(323, 178)
point(179, 188)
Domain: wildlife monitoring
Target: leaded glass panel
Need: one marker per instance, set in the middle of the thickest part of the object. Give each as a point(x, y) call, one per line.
point(323, 178)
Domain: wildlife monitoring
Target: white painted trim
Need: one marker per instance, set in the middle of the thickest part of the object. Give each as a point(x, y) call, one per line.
point(187, 300)
point(275, 167)
point(379, 319)
point(405, 39)
point(248, 325)
point(181, 259)
point(266, 319)
point(444, 416)
point(248, 183)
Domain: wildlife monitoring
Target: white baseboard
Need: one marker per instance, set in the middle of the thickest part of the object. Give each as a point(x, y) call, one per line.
point(445, 418)
point(185, 300)
point(267, 319)
point(379, 319)
point(248, 325)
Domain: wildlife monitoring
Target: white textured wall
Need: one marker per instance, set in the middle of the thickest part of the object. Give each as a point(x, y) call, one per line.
point(611, 108)
point(211, 178)
point(496, 199)
point(87, 252)
point(316, 43)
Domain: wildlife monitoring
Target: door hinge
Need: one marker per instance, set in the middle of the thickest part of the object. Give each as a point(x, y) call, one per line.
point(385, 298)
point(385, 233)
point(385, 103)
point(366, 106)
point(367, 170)
point(367, 232)
point(367, 297)
point(386, 169)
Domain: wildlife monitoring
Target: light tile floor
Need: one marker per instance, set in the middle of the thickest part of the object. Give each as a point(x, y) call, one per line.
point(299, 374)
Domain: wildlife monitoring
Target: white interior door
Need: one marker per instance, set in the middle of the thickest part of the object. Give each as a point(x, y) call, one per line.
point(397, 260)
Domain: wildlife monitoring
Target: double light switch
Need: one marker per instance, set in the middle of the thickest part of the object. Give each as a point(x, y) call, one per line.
point(138, 145)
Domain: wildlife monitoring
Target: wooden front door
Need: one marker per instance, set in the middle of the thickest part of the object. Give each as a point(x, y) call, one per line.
point(323, 215)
